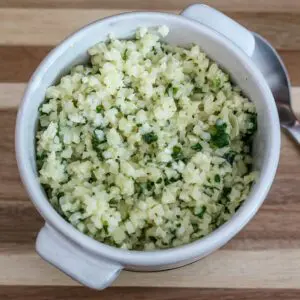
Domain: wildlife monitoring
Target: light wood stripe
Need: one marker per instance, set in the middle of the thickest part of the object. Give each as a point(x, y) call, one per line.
point(229, 5)
point(223, 269)
point(52, 25)
point(11, 94)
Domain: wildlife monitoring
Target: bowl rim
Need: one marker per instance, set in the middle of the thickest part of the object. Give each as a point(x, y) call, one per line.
point(197, 248)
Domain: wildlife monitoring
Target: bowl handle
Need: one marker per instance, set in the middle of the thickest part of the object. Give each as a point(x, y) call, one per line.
point(91, 271)
point(224, 25)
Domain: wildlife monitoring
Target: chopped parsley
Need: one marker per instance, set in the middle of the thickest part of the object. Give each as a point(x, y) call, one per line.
point(197, 147)
point(40, 159)
point(202, 212)
point(217, 178)
point(125, 54)
point(159, 180)
point(99, 108)
point(149, 185)
point(216, 83)
point(253, 121)
point(150, 137)
point(229, 156)
point(219, 137)
point(226, 192)
point(95, 144)
point(177, 153)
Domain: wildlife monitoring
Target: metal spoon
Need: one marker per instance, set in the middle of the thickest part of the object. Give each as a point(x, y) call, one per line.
point(272, 67)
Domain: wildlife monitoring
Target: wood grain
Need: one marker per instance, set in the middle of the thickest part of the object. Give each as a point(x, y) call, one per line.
point(11, 94)
point(142, 293)
point(229, 5)
point(19, 62)
point(50, 26)
point(280, 29)
point(223, 269)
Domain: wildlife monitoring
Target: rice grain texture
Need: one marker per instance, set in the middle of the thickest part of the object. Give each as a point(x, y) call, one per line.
point(149, 146)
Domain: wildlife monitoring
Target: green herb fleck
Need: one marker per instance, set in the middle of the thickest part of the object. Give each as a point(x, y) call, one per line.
point(217, 178)
point(125, 55)
point(239, 205)
point(248, 136)
point(168, 88)
point(48, 190)
point(226, 191)
point(159, 181)
point(253, 120)
point(197, 147)
point(219, 137)
point(95, 144)
point(185, 160)
point(169, 164)
point(40, 159)
point(105, 228)
point(177, 153)
point(202, 212)
point(226, 210)
point(173, 179)
point(166, 181)
point(99, 109)
point(149, 185)
point(93, 178)
point(216, 83)
point(197, 90)
point(152, 239)
point(88, 90)
point(150, 137)
point(229, 156)
point(60, 194)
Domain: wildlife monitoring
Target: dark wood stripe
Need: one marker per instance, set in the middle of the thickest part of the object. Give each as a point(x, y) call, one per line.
point(11, 188)
point(292, 62)
point(19, 62)
point(128, 293)
point(20, 224)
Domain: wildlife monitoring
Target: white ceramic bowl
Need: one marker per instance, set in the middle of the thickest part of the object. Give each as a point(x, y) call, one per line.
point(95, 264)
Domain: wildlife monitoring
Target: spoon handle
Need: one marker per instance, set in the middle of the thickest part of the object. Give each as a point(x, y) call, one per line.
point(294, 131)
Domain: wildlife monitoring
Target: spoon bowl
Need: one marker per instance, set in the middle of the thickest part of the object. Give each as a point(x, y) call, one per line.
point(272, 67)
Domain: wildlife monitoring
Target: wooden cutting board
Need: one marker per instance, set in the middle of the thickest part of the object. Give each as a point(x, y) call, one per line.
point(262, 262)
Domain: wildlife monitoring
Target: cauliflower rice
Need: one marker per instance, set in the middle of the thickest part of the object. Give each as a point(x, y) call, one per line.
point(148, 146)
